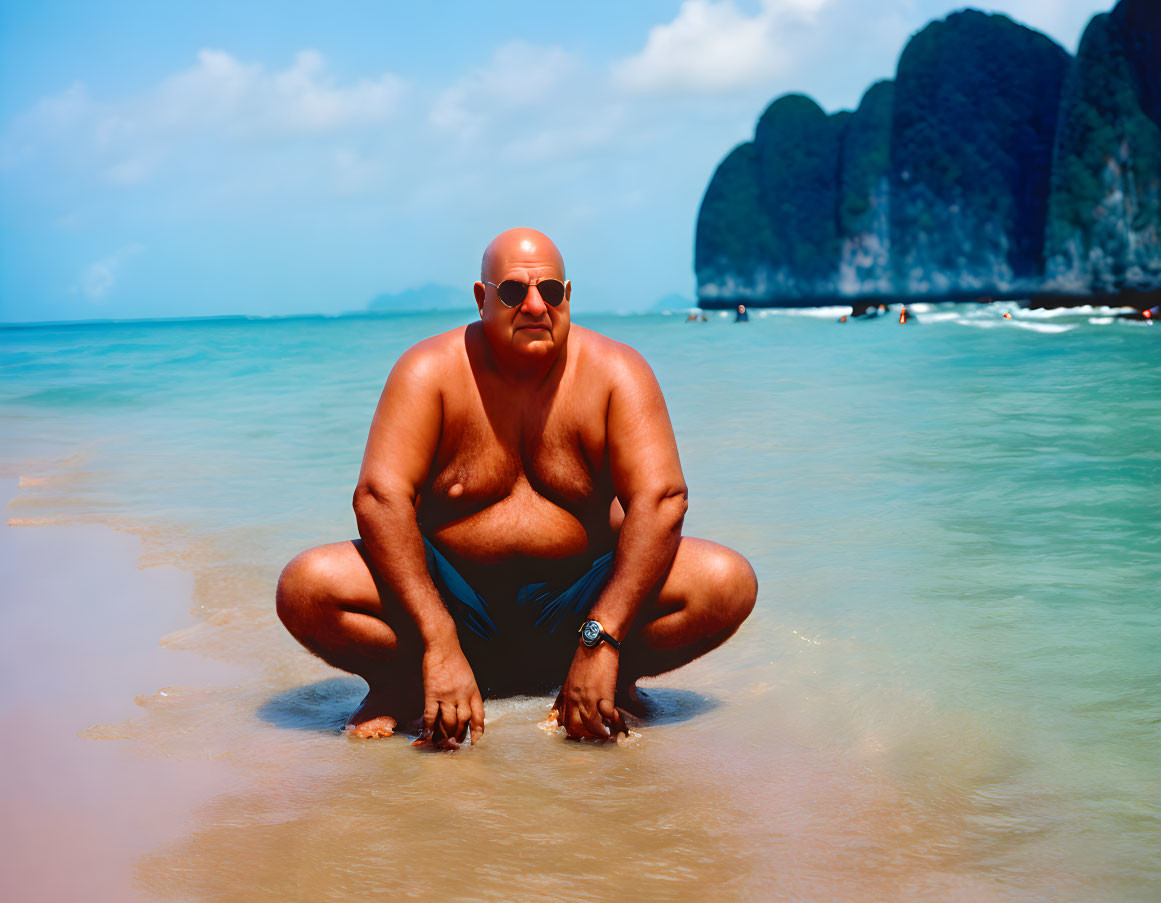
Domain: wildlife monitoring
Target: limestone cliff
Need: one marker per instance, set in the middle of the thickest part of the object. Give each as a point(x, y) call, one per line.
point(1105, 208)
point(976, 100)
point(994, 163)
point(865, 196)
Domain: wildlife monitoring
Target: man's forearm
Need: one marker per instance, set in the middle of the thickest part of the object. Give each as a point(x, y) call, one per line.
point(645, 550)
point(395, 547)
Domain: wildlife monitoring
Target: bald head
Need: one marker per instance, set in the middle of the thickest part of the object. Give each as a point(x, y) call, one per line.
point(521, 244)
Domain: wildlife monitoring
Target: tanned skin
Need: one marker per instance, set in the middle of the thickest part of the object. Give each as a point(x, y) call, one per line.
point(522, 448)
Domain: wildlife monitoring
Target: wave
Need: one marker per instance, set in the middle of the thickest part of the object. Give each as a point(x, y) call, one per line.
point(1046, 328)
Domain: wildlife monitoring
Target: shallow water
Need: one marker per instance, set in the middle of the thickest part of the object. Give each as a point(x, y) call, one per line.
point(949, 688)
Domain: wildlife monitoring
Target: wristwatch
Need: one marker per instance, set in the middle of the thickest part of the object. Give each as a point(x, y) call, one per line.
point(593, 634)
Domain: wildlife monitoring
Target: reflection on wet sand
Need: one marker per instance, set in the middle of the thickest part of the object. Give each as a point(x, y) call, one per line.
point(738, 792)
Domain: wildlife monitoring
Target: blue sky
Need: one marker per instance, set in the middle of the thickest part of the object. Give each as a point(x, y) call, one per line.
point(180, 159)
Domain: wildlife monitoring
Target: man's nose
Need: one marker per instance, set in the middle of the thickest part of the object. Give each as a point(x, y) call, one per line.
point(534, 305)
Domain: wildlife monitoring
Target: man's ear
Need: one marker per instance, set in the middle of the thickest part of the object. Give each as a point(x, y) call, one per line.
point(480, 290)
point(568, 290)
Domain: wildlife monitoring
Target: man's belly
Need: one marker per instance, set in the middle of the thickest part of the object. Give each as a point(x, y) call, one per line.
point(522, 539)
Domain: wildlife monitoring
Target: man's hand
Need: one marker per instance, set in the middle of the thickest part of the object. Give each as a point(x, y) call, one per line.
point(586, 704)
point(451, 699)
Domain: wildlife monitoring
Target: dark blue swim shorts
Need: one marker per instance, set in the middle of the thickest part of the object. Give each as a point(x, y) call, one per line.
point(517, 635)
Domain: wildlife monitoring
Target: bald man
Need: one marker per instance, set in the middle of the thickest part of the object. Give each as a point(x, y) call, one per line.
point(520, 507)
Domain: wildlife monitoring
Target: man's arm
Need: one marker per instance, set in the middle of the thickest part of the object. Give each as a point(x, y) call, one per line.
point(401, 446)
point(649, 484)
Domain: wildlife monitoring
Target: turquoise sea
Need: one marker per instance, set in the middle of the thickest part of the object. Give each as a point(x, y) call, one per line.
point(950, 688)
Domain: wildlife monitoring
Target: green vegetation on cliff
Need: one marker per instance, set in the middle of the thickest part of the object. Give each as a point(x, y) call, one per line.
point(976, 100)
point(798, 161)
point(733, 230)
point(1104, 211)
point(866, 151)
point(1140, 23)
point(994, 162)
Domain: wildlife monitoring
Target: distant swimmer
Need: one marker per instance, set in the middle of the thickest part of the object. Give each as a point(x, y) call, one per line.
point(903, 315)
point(843, 318)
point(520, 508)
point(1007, 316)
point(742, 316)
point(1148, 314)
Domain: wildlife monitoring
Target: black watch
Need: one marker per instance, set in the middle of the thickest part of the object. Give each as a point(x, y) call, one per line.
point(593, 634)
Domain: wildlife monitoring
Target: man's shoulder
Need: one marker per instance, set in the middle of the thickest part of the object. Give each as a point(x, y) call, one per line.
point(616, 360)
point(433, 356)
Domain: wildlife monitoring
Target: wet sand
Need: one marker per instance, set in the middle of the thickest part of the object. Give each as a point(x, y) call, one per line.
point(158, 774)
point(81, 625)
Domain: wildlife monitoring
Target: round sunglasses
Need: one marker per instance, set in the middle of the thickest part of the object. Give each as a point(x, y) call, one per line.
point(513, 292)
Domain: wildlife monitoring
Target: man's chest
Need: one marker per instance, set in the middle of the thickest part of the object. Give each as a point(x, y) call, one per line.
point(489, 452)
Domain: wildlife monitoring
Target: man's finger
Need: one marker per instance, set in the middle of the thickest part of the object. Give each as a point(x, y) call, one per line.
point(430, 713)
point(573, 724)
point(593, 723)
point(477, 718)
point(463, 719)
point(448, 720)
point(613, 716)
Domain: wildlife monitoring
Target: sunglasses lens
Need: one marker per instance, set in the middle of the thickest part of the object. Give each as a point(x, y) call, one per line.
point(551, 290)
point(512, 292)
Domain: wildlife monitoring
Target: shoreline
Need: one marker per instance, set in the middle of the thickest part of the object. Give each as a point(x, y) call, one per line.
point(85, 623)
point(1140, 300)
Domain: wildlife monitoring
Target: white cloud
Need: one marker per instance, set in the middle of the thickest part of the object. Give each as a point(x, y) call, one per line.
point(245, 99)
point(99, 278)
point(519, 77)
point(220, 99)
point(49, 119)
point(711, 47)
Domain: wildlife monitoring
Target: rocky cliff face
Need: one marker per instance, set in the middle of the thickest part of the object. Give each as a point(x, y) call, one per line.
point(733, 248)
point(976, 99)
point(802, 208)
point(865, 196)
point(994, 163)
point(1104, 227)
point(1140, 23)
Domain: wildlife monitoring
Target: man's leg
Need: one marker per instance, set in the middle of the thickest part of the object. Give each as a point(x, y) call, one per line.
point(331, 603)
point(709, 592)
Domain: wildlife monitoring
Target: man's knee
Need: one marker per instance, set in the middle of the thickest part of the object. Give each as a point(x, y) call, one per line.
point(732, 588)
point(306, 584)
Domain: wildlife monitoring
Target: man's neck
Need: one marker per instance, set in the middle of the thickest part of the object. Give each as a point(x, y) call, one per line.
point(528, 371)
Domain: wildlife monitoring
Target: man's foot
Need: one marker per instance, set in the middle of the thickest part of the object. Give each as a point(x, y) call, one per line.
point(634, 701)
point(372, 719)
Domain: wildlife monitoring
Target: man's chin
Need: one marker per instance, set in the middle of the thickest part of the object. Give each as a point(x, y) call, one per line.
point(532, 339)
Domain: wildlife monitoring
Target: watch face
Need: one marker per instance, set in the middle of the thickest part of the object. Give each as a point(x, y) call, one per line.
point(591, 633)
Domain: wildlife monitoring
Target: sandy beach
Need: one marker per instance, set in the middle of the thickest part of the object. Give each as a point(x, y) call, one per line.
point(82, 626)
point(947, 689)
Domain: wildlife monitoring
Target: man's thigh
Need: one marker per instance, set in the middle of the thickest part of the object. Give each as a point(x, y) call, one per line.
point(709, 590)
point(343, 576)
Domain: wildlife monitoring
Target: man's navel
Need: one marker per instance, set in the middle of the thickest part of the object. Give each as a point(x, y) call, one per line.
point(456, 490)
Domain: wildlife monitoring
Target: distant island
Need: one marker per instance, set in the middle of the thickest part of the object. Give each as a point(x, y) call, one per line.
point(444, 297)
point(670, 303)
point(423, 298)
point(994, 164)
